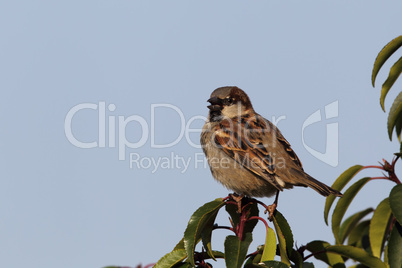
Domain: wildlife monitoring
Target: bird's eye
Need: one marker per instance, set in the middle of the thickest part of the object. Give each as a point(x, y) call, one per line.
point(228, 101)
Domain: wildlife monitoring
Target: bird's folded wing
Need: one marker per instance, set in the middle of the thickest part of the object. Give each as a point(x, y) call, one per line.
point(247, 147)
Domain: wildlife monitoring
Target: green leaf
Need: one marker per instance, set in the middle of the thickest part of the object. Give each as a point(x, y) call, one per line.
point(285, 229)
point(204, 255)
point(329, 258)
point(218, 254)
point(340, 182)
point(350, 223)
point(395, 116)
point(384, 54)
point(285, 246)
point(171, 259)
point(180, 245)
point(206, 234)
point(357, 254)
point(379, 226)
point(255, 258)
point(182, 265)
point(236, 250)
point(395, 246)
point(359, 233)
point(267, 264)
point(394, 73)
point(201, 218)
point(343, 205)
point(308, 265)
point(270, 246)
point(297, 259)
point(395, 202)
point(252, 211)
point(357, 266)
point(252, 208)
point(386, 252)
point(398, 130)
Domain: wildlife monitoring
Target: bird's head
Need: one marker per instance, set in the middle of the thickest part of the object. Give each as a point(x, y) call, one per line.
point(228, 102)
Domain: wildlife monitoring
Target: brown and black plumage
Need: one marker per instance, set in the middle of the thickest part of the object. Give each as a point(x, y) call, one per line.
point(247, 153)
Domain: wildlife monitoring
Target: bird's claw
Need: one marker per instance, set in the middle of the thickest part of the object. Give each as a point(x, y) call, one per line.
point(271, 209)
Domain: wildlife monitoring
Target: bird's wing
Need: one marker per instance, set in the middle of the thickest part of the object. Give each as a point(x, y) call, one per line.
point(286, 145)
point(249, 145)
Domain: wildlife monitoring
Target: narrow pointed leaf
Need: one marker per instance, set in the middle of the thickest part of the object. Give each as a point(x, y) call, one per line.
point(329, 258)
point(309, 265)
point(358, 233)
point(394, 73)
point(218, 254)
point(279, 221)
point(395, 246)
point(350, 223)
point(379, 226)
point(252, 211)
point(197, 223)
point(285, 229)
point(343, 205)
point(357, 254)
point(206, 234)
point(395, 115)
point(236, 250)
point(340, 182)
point(255, 258)
point(386, 252)
point(395, 202)
point(171, 259)
point(268, 264)
point(398, 129)
point(205, 256)
point(384, 54)
point(180, 245)
point(297, 259)
point(270, 246)
point(182, 265)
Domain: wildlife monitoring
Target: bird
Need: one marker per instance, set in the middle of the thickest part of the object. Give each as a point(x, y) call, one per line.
point(247, 153)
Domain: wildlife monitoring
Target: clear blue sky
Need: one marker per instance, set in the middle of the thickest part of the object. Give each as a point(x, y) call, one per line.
point(64, 206)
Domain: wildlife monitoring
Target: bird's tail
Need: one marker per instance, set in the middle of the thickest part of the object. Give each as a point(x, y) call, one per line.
point(320, 187)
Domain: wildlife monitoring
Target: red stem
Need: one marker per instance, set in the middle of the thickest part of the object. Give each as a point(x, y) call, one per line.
point(379, 178)
point(261, 219)
point(379, 167)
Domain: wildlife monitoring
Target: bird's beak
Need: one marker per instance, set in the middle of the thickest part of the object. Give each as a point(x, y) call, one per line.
point(216, 104)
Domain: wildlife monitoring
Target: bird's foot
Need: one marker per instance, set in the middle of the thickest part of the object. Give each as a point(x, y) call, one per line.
point(271, 209)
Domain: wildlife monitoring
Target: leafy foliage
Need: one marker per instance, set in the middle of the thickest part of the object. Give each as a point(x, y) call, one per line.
point(371, 237)
point(395, 114)
point(235, 246)
point(372, 242)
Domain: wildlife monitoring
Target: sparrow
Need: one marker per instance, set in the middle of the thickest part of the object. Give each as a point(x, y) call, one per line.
point(247, 153)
